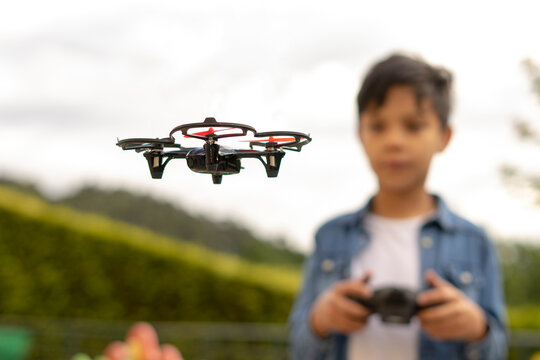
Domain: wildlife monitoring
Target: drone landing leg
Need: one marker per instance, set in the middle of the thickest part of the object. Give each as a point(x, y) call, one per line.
point(216, 179)
point(156, 164)
point(273, 161)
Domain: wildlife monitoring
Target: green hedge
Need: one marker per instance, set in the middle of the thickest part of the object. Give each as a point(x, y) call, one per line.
point(524, 317)
point(61, 263)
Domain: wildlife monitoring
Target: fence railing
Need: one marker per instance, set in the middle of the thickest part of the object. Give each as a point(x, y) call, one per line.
point(62, 338)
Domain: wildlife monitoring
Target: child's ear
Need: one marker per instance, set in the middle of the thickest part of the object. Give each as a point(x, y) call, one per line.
point(445, 138)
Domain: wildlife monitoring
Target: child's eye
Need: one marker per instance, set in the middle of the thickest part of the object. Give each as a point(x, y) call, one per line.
point(376, 126)
point(414, 126)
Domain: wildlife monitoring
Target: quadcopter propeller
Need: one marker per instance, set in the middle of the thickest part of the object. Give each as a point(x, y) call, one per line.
point(271, 139)
point(292, 140)
point(210, 131)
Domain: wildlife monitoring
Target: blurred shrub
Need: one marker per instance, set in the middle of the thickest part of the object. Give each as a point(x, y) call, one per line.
point(524, 317)
point(61, 263)
point(521, 269)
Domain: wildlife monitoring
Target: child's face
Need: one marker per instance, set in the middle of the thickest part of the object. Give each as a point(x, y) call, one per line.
point(400, 137)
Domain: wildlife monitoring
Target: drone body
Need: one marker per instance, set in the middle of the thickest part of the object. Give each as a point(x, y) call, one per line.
point(213, 158)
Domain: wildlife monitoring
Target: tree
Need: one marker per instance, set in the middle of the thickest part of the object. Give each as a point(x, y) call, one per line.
point(514, 176)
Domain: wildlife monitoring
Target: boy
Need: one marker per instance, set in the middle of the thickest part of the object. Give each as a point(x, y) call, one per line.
point(403, 237)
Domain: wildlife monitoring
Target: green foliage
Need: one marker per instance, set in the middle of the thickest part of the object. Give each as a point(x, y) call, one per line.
point(21, 185)
point(60, 263)
point(521, 268)
point(533, 71)
point(524, 317)
point(513, 175)
point(165, 218)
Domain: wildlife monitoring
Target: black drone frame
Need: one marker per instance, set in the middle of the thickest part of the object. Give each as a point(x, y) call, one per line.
point(212, 158)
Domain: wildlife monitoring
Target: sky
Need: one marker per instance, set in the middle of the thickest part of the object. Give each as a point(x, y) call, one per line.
point(75, 76)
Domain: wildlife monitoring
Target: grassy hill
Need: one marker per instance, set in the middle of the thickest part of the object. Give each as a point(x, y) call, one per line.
point(165, 218)
point(65, 263)
point(174, 221)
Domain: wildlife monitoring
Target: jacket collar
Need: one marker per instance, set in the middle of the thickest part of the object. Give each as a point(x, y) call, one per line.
point(443, 216)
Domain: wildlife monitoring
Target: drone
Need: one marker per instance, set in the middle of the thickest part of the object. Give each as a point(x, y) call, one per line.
point(212, 158)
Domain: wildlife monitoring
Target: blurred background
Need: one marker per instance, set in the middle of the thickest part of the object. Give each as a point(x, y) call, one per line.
point(85, 232)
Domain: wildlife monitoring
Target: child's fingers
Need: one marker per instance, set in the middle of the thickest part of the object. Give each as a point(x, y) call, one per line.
point(438, 314)
point(436, 296)
point(443, 331)
point(366, 277)
point(435, 280)
point(441, 292)
point(354, 287)
point(351, 308)
point(346, 325)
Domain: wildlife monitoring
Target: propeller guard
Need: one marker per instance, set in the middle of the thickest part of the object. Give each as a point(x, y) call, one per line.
point(300, 140)
point(211, 122)
point(140, 144)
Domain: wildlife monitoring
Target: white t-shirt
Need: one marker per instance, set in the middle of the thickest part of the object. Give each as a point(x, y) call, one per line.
point(393, 257)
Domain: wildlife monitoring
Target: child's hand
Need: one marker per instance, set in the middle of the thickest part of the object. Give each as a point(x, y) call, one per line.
point(334, 311)
point(457, 317)
point(141, 344)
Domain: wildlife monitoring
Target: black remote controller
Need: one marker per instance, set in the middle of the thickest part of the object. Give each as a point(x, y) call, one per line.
point(394, 305)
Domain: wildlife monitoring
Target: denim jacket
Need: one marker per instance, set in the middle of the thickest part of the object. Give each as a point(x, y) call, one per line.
point(457, 250)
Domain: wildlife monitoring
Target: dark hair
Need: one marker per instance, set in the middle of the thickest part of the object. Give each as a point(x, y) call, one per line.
point(427, 81)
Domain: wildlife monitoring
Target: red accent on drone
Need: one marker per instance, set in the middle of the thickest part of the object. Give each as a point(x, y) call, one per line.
point(210, 131)
point(271, 139)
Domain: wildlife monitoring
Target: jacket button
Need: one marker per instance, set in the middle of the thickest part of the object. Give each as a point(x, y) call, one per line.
point(466, 277)
point(426, 242)
point(328, 265)
point(474, 354)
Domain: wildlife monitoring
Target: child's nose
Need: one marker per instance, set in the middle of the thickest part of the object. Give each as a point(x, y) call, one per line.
point(395, 137)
